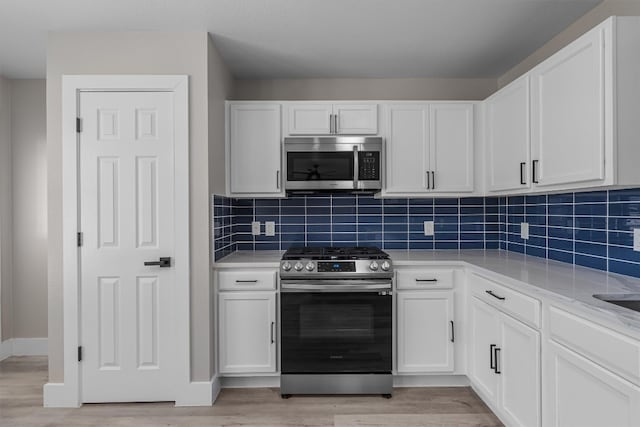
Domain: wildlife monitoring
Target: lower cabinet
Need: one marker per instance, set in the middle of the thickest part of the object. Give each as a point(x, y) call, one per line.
point(504, 364)
point(580, 393)
point(426, 332)
point(247, 332)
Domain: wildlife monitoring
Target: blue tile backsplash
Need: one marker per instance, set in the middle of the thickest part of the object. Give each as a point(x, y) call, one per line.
point(355, 220)
point(593, 229)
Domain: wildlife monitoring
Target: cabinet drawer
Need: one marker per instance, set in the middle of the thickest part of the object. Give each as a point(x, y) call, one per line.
point(246, 280)
point(424, 278)
point(614, 351)
point(516, 304)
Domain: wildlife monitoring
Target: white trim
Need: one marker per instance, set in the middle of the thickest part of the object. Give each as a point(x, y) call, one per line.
point(71, 87)
point(59, 395)
point(6, 349)
point(216, 388)
point(29, 347)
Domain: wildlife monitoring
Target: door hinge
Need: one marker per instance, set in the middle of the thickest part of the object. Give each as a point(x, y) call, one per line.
point(80, 238)
point(80, 354)
point(78, 124)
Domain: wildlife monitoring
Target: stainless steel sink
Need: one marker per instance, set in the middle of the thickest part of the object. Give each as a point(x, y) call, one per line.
point(630, 301)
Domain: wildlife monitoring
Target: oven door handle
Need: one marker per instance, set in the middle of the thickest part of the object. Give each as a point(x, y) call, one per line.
point(360, 287)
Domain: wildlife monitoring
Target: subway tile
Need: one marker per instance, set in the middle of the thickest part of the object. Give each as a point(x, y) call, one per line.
point(395, 210)
point(561, 256)
point(471, 245)
point(624, 224)
point(591, 262)
point(624, 209)
point(591, 196)
point(535, 200)
point(626, 268)
point(318, 210)
point(595, 236)
point(395, 245)
point(536, 251)
point(560, 198)
point(515, 200)
point(446, 245)
point(416, 244)
point(620, 238)
point(628, 195)
point(595, 249)
point(593, 223)
point(369, 210)
point(425, 201)
point(591, 209)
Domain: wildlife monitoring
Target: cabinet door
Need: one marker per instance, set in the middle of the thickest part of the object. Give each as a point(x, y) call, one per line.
point(406, 148)
point(485, 324)
point(310, 119)
point(508, 137)
point(356, 119)
point(519, 366)
point(247, 332)
point(578, 392)
point(254, 149)
point(451, 147)
point(425, 335)
point(568, 112)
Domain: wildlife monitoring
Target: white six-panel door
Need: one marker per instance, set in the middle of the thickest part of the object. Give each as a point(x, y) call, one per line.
point(126, 208)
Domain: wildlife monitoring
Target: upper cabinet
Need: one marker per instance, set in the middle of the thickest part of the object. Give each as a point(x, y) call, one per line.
point(253, 150)
point(569, 111)
point(430, 148)
point(306, 118)
point(508, 137)
point(582, 110)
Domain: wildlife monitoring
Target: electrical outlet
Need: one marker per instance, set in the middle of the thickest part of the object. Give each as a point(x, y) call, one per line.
point(255, 228)
point(636, 239)
point(269, 228)
point(428, 228)
point(524, 230)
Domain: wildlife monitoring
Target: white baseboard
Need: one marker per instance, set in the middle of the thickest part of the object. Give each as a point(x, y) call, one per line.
point(30, 347)
point(56, 395)
point(430, 381)
point(6, 349)
point(197, 393)
point(23, 347)
point(216, 387)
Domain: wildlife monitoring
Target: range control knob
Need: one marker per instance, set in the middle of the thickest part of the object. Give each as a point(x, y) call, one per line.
point(298, 266)
point(373, 266)
point(286, 266)
point(385, 266)
point(310, 266)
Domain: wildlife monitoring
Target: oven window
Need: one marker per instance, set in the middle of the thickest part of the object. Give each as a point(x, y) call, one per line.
point(320, 166)
point(336, 332)
point(325, 322)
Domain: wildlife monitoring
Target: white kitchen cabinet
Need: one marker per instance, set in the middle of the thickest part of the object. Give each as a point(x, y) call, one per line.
point(426, 331)
point(247, 332)
point(505, 364)
point(578, 392)
point(254, 140)
point(253, 148)
point(430, 148)
point(569, 93)
point(332, 119)
point(508, 134)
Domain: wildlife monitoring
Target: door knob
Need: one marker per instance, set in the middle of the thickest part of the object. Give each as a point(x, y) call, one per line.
point(162, 262)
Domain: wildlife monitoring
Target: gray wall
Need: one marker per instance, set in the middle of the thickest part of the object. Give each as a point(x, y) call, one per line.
point(589, 20)
point(354, 89)
point(220, 87)
point(134, 53)
point(5, 211)
point(29, 158)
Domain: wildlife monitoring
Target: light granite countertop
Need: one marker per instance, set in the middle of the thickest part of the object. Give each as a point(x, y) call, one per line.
point(548, 280)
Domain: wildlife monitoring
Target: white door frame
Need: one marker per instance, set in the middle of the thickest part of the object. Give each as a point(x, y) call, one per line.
point(72, 86)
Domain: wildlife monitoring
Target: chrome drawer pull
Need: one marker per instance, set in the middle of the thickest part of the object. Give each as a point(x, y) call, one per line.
point(246, 281)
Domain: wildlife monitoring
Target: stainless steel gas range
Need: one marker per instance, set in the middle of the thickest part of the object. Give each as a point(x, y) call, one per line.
point(336, 321)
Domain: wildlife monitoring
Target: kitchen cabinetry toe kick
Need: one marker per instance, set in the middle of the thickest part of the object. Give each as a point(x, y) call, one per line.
point(336, 384)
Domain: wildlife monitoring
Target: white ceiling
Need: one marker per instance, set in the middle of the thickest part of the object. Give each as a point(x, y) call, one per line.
point(309, 38)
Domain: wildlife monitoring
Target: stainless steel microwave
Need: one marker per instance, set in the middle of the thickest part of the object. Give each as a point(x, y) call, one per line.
point(333, 163)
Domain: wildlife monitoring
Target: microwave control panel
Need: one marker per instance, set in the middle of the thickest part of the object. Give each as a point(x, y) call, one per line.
point(369, 165)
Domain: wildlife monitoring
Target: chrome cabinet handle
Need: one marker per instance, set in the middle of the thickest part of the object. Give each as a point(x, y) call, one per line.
point(522, 179)
point(335, 124)
point(433, 180)
point(278, 179)
point(492, 364)
point(534, 171)
point(356, 167)
point(428, 181)
point(426, 280)
point(246, 281)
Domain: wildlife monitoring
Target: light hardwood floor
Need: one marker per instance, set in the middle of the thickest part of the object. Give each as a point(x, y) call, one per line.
point(21, 380)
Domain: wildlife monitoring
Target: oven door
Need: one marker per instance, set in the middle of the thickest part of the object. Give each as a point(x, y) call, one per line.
point(336, 329)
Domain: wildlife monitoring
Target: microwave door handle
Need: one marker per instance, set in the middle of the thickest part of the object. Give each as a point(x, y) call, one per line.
point(356, 167)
